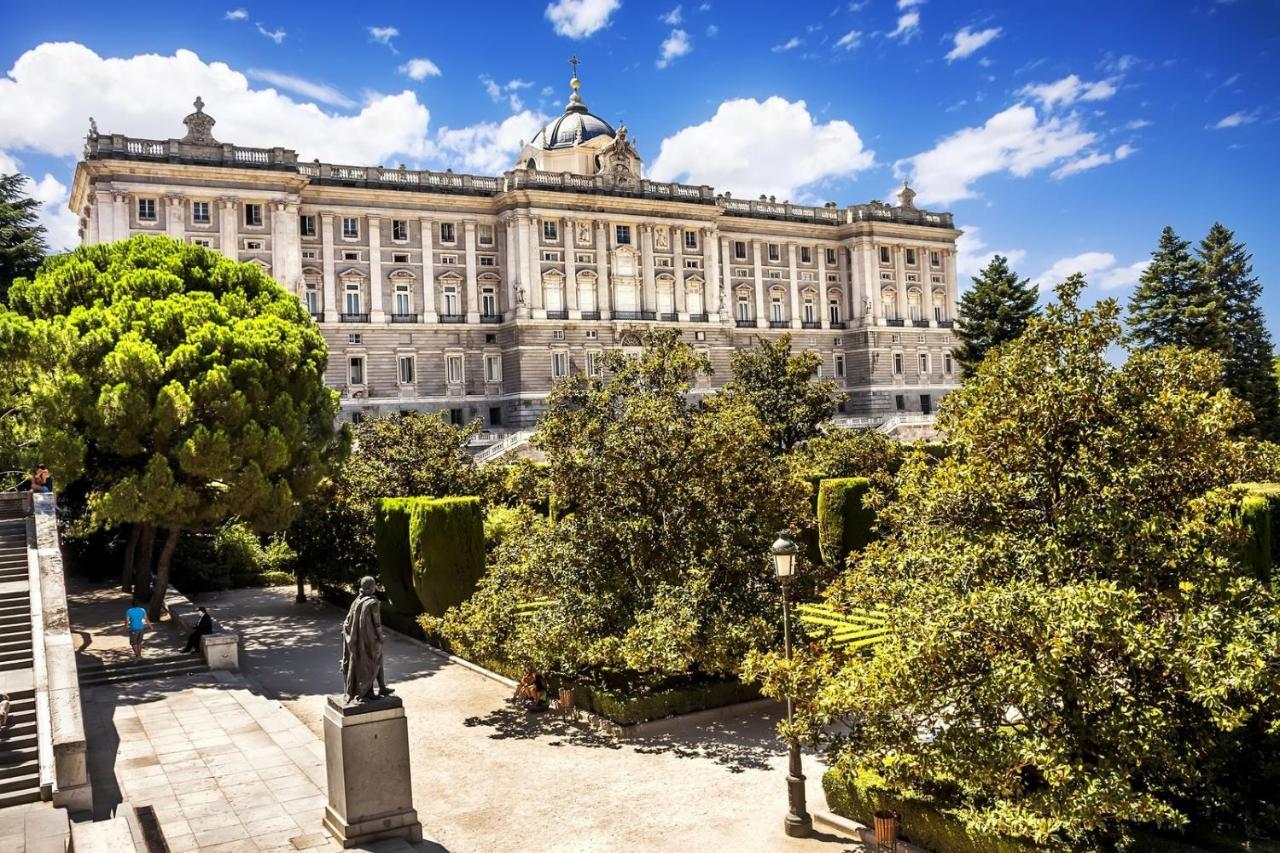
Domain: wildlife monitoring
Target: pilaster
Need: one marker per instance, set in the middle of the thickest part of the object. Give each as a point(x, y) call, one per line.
point(724, 293)
point(429, 313)
point(120, 217)
point(794, 274)
point(682, 290)
point(604, 301)
point(649, 300)
point(533, 256)
point(228, 216)
point(175, 220)
point(571, 270)
point(330, 274)
point(473, 292)
point(757, 274)
point(824, 310)
point(900, 282)
point(376, 281)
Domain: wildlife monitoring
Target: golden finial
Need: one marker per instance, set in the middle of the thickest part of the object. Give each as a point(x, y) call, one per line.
point(575, 83)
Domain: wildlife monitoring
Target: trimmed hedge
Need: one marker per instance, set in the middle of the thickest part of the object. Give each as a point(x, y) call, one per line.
point(391, 543)
point(446, 545)
point(1259, 509)
point(844, 524)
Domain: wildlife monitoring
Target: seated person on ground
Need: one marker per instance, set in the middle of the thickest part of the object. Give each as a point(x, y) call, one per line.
point(532, 687)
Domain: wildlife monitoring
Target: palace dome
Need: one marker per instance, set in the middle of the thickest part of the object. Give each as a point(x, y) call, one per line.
point(575, 127)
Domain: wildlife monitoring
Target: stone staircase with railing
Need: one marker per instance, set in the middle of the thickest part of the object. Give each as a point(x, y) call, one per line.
point(19, 745)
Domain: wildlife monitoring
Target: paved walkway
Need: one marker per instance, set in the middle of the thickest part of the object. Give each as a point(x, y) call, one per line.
point(489, 779)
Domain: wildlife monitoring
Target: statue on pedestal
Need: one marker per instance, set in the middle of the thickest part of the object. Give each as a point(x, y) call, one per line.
point(362, 646)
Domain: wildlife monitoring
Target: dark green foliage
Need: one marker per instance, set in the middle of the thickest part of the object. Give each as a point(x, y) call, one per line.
point(232, 556)
point(1255, 514)
point(992, 312)
point(1173, 305)
point(522, 482)
point(846, 453)
point(446, 541)
point(844, 524)
point(391, 541)
point(22, 245)
point(1227, 271)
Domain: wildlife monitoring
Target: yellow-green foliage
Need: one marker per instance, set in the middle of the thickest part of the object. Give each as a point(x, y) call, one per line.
point(844, 524)
point(446, 543)
point(1258, 510)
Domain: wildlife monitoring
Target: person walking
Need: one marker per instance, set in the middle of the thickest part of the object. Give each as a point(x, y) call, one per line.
point(136, 618)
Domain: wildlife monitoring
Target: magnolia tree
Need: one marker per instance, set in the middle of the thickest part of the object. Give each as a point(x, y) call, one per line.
point(1076, 647)
point(182, 387)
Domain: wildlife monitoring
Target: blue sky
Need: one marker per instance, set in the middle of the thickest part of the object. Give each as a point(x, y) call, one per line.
point(1063, 134)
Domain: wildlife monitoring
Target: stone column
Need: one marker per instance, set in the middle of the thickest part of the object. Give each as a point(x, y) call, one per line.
point(277, 258)
point(677, 249)
point(175, 220)
point(875, 288)
point(509, 270)
point(711, 287)
point(824, 311)
point(228, 217)
point(571, 270)
point(376, 282)
point(649, 300)
point(952, 283)
point(105, 218)
point(286, 248)
point(429, 313)
point(793, 272)
point(120, 218)
point(724, 294)
point(330, 274)
point(900, 281)
point(762, 316)
point(90, 234)
point(604, 300)
point(533, 255)
point(473, 292)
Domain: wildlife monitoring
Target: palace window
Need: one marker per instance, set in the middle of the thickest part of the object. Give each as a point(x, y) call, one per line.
point(886, 276)
point(489, 302)
point(253, 215)
point(839, 363)
point(354, 338)
point(806, 255)
point(691, 239)
point(775, 274)
point(583, 257)
point(406, 369)
point(595, 363)
point(146, 210)
point(550, 231)
point(833, 309)
point(352, 292)
point(911, 257)
point(948, 366)
point(831, 257)
point(307, 226)
point(739, 250)
point(935, 279)
point(591, 334)
point(557, 334)
point(897, 364)
point(622, 235)
point(935, 260)
point(492, 367)
point(559, 364)
point(810, 310)
point(351, 256)
point(775, 309)
point(884, 254)
point(913, 305)
point(488, 261)
point(201, 241)
point(253, 245)
point(900, 402)
point(453, 368)
point(355, 370)
point(693, 263)
point(403, 299)
point(449, 260)
point(200, 212)
point(924, 362)
point(485, 235)
point(400, 257)
point(833, 278)
point(447, 233)
point(451, 300)
point(662, 262)
point(553, 257)
point(399, 230)
point(775, 252)
point(744, 308)
point(350, 228)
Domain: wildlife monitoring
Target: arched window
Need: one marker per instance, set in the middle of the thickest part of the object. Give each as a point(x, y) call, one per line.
point(693, 297)
point(744, 306)
point(351, 293)
point(451, 307)
point(914, 307)
point(311, 295)
point(403, 298)
point(776, 311)
point(809, 307)
point(666, 294)
point(889, 303)
point(940, 306)
point(488, 302)
point(833, 306)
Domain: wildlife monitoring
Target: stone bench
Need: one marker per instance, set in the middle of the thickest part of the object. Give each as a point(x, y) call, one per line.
point(221, 649)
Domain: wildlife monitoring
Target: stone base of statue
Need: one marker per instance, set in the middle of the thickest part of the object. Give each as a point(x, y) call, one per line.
point(366, 749)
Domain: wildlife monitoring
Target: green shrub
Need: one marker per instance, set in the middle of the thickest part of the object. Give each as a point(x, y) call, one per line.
point(1259, 509)
point(232, 556)
point(844, 524)
point(391, 542)
point(446, 541)
point(500, 522)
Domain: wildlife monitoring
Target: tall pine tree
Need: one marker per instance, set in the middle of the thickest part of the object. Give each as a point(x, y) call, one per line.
point(1247, 358)
point(1173, 305)
point(22, 245)
point(993, 312)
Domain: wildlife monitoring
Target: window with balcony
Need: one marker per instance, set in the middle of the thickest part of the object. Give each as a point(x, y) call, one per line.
point(889, 303)
point(253, 215)
point(146, 210)
point(897, 364)
point(355, 370)
point(744, 309)
point(775, 309)
point(311, 297)
point(489, 302)
point(447, 233)
point(200, 212)
point(403, 299)
point(350, 228)
point(559, 365)
point(691, 240)
point(550, 231)
point(307, 226)
point(833, 310)
point(406, 369)
point(810, 311)
point(492, 367)
point(451, 300)
point(351, 294)
point(453, 368)
point(622, 235)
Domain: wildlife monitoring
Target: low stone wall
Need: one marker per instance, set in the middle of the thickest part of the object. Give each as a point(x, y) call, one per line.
point(221, 649)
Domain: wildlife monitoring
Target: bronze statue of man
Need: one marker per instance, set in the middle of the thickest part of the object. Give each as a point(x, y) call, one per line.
point(362, 646)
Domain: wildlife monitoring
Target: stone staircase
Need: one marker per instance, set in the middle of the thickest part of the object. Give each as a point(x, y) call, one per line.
point(19, 758)
point(94, 673)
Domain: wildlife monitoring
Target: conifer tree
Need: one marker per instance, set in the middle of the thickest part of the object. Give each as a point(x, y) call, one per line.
point(1247, 359)
point(22, 245)
point(1173, 305)
point(994, 312)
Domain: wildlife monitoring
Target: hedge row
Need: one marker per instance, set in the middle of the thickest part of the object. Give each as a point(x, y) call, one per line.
point(844, 524)
point(391, 544)
point(430, 553)
point(1260, 512)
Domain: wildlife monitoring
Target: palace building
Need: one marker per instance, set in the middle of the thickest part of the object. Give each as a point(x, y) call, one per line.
point(473, 294)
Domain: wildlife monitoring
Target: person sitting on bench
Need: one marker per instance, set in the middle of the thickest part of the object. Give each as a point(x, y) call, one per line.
point(204, 626)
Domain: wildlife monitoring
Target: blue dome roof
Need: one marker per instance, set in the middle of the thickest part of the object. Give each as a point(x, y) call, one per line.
point(575, 127)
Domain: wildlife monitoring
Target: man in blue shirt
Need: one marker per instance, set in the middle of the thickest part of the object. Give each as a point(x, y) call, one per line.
point(136, 617)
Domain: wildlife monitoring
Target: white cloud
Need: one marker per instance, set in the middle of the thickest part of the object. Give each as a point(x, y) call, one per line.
point(420, 69)
point(1137, 124)
point(62, 225)
point(673, 47)
point(384, 35)
point(508, 91)
point(1093, 160)
point(1237, 119)
point(1068, 90)
point(751, 147)
point(236, 14)
point(277, 35)
point(578, 19)
point(908, 27)
point(850, 40)
point(712, 30)
point(1098, 267)
point(490, 148)
point(321, 92)
point(972, 254)
point(8, 164)
point(673, 18)
point(907, 4)
point(967, 42)
point(1015, 140)
point(790, 44)
point(52, 89)
point(705, 7)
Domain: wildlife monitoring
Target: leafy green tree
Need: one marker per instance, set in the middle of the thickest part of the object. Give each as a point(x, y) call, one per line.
point(847, 453)
point(184, 388)
point(402, 456)
point(17, 371)
point(1077, 647)
point(782, 389)
point(1227, 271)
point(994, 311)
point(660, 567)
point(22, 245)
point(1174, 305)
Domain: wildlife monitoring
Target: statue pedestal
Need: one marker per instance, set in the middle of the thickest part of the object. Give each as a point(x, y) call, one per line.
point(366, 748)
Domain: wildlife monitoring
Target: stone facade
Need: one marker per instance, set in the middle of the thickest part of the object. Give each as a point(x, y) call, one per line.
point(471, 294)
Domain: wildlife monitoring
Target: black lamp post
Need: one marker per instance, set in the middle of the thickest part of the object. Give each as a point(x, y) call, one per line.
point(798, 823)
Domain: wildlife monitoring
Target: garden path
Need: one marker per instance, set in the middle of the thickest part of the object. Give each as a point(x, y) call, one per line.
point(488, 779)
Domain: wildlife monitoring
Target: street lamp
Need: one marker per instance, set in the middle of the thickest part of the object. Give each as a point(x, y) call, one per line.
point(798, 823)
